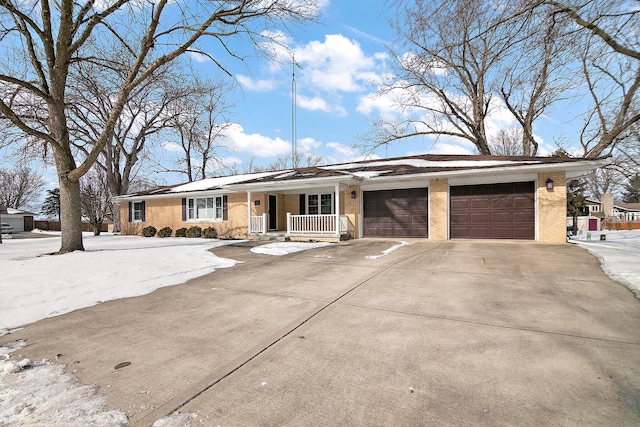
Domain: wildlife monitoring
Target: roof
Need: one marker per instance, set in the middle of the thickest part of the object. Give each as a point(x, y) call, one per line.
point(377, 169)
point(11, 211)
point(628, 206)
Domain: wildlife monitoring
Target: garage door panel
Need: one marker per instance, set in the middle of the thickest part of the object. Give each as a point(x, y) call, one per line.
point(404, 213)
point(501, 203)
point(479, 217)
point(493, 211)
point(524, 217)
point(477, 203)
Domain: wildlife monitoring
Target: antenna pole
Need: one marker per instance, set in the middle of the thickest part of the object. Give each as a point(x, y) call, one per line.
point(293, 113)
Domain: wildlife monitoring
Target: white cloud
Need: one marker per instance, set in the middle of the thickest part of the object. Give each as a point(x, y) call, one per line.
point(256, 85)
point(259, 145)
point(198, 57)
point(344, 153)
point(308, 144)
point(337, 64)
point(319, 104)
point(171, 147)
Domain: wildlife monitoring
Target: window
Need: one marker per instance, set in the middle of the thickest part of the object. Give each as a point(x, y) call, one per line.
point(136, 212)
point(205, 208)
point(319, 204)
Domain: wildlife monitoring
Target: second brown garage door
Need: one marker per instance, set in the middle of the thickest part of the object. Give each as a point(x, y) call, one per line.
point(493, 211)
point(396, 213)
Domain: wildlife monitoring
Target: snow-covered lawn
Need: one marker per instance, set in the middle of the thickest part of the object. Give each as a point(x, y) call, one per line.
point(34, 286)
point(619, 254)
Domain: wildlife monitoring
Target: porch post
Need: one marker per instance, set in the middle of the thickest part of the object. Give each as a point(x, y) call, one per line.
point(248, 212)
point(288, 223)
point(337, 197)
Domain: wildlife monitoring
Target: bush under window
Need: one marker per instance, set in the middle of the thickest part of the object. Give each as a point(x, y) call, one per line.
point(149, 231)
point(165, 232)
point(194, 231)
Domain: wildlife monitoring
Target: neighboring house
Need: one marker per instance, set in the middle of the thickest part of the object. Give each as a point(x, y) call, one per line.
point(439, 197)
point(18, 219)
point(592, 207)
point(627, 211)
point(607, 208)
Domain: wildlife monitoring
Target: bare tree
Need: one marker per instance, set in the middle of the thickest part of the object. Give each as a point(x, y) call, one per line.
point(447, 70)
point(95, 198)
point(44, 41)
point(535, 75)
point(302, 160)
point(199, 123)
point(508, 142)
point(20, 188)
point(148, 111)
point(605, 36)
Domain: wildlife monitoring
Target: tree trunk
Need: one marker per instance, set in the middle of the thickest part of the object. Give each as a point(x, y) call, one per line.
point(70, 217)
point(97, 225)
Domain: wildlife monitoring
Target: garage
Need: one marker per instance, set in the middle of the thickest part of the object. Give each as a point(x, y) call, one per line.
point(396, 213)
point(493, 211)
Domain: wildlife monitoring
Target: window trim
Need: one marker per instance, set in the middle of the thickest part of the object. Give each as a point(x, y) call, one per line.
point(137, 207)
point(217, 208)
point(319, 205)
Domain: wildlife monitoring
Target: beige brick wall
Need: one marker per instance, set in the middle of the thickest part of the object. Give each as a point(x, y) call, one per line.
point(552, 208)
point(351, 208)
point(168, 213)
point(438, 209)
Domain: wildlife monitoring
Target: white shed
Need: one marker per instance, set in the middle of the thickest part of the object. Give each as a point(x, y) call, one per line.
point(18, 219)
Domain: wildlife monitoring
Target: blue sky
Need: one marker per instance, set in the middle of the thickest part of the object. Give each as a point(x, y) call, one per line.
point(341, 62)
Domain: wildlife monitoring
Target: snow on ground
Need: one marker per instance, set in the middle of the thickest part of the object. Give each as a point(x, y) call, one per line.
point(34, 285)
point(619, 254)
point(388, 251)
point(285, 248)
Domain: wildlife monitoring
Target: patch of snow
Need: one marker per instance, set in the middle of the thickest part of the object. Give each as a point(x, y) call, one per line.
point(421, 163)
point(176, 420)
point(388, 251)
point(42, 394)
point(618, 254)
point(285, 248)
point(213, 183)
point(369, 174)
point(35, 285)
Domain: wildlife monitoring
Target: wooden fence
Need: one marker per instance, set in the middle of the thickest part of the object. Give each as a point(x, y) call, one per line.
point(55, 226)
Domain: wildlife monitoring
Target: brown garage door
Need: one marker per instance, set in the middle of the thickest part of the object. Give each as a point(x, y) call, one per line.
point(493, 211)
point(396, 213)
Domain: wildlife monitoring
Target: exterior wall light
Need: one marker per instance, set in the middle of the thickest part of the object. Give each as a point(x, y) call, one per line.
point(353, 194)
point(549, 184)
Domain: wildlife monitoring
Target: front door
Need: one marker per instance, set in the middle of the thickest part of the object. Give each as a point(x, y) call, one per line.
point(273, 212)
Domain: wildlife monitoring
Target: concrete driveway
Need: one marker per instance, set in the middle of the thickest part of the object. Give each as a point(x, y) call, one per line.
point(436, 333)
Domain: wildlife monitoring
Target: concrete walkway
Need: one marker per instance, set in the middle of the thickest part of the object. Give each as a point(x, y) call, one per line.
point(436, 333)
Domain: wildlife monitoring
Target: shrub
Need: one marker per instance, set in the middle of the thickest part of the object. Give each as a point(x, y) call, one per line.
point(165, 232)
point(181, 232)
point(194, 231)
point(210, 233)
point(149, 231)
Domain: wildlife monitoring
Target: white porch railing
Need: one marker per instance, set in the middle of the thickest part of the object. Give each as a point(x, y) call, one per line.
point(315, 224)
point(258, 224)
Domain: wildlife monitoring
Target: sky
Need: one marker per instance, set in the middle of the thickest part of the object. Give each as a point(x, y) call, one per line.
point(340, 62)
point(39, 392)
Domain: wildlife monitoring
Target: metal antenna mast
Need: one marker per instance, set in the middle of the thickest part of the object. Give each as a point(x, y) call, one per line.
point(293, 112)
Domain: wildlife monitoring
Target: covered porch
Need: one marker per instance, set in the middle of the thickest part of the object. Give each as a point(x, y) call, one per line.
point(303, 211)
